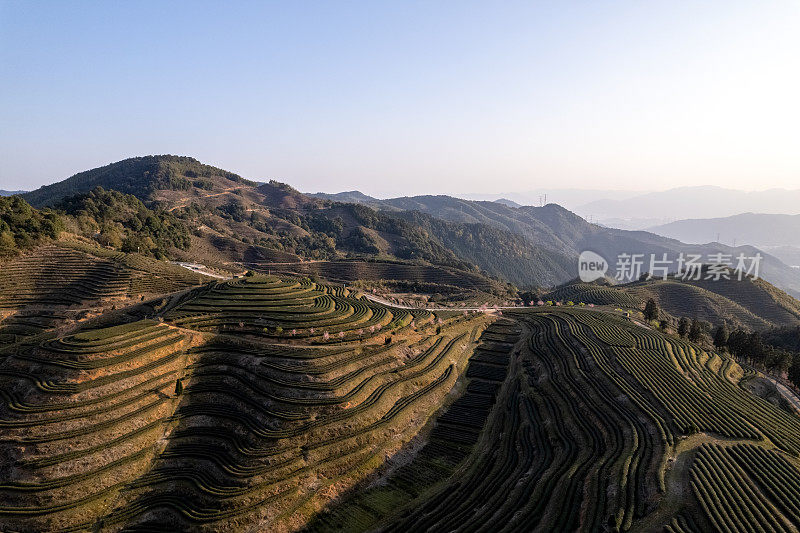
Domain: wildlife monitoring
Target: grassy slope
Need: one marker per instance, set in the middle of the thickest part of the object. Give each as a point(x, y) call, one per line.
point(233, 219)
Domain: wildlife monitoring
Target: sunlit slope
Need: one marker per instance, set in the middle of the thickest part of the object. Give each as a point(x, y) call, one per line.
point(590, 293)
point(679, 299)
point(57, 283)
point(387, 270)
point(602, 425)
point(290, 395)
point(753, 304)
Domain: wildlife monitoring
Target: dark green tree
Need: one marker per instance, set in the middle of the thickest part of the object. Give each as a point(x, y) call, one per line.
point(721, 337)
point(737, 342)
point(683, 326)
point(651, 310)
point(695, 331)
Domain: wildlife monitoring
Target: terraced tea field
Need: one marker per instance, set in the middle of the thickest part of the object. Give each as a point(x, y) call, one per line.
point(378, 270)
point(593, 294)
point(57, 283)
point(273, 403)
point(289, 395)
point(692, 299)
point(597, 425)
point(749, 304)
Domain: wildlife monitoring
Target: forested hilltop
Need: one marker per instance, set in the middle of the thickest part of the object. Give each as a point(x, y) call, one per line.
point(230, 218)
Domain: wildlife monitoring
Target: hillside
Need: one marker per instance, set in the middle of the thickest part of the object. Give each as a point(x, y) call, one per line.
point(64, 284)
point(255, 402)
point(774, 233)
point(502, 253)
point(274, 403)
point(541, 445)
point(553, 229)
point(229, 219)
point(750, 304)
point(681, 299)
point(140, 176)
point(689, 202)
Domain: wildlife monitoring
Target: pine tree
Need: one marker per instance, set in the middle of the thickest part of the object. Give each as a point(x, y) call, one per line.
point(683, 326)
point(721, 337)
point(695, 331)
point(178, 387)
point(651, 310)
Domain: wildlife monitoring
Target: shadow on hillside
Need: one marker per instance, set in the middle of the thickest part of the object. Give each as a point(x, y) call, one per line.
point(433, 455)
point(223, 435)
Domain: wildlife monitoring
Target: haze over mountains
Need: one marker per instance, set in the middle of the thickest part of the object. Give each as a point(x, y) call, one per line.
point(758, 229)
point(229, 216)
point(559, 229)
point(655, 208)
point(777, 234)
point(635, 210)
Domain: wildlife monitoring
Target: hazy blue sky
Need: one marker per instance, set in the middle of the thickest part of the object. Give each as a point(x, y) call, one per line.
point(408, 97)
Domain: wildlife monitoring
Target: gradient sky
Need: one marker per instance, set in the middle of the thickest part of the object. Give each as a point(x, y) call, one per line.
point(408, 97)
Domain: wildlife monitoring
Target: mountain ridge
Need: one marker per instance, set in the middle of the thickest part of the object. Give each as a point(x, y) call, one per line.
point(230, 216)
point(564, 232)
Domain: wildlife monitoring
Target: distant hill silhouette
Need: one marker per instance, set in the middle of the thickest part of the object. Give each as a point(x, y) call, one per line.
point(230, 217)
point(692, 203)
point(508, 203)
point(758, 229)
point(355, 197)
point(559, 230)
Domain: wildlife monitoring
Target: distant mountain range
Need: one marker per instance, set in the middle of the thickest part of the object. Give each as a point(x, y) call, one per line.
point(657, 208)
point(758, 229)
point(554, 228)
point(568, 198)
point(230, 218)
point(777, 234)
point(10, 193)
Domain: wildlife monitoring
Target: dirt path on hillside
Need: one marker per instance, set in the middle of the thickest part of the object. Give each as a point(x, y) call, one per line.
point(786, 392)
